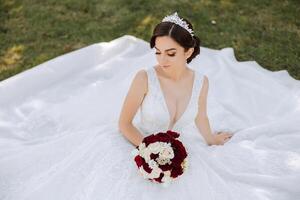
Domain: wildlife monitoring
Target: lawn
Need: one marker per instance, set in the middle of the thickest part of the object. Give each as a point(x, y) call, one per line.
point(34, 31)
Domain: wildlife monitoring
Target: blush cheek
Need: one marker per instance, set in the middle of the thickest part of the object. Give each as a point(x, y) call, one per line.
point(181, 60)
point(175, 60)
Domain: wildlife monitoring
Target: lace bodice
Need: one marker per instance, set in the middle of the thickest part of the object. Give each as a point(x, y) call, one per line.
point(154, 113)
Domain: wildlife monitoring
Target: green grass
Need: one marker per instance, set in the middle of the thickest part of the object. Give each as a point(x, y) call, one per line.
point(34, 31)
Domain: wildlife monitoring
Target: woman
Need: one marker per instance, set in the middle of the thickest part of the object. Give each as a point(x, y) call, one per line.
point(60, 137)
point(175, 46)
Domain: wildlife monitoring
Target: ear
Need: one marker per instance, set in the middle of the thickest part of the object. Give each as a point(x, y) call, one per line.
point(189, 52)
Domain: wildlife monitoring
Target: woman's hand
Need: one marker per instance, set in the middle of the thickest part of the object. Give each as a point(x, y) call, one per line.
point(221, 137)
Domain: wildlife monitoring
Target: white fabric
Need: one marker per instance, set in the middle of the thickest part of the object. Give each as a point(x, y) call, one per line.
point(155, 116)
point(59, 137)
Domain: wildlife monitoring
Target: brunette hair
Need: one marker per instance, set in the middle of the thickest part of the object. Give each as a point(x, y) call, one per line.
point(179, 34)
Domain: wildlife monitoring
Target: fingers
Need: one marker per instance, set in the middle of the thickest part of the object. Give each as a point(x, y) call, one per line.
point(227, 137)
point(224, 137)
point(225, 134)
point(229, 134)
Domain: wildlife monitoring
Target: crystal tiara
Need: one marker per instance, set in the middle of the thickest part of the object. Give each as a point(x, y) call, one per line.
point(174, 18)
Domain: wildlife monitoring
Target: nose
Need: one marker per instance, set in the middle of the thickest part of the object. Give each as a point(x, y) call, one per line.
point(163, 60)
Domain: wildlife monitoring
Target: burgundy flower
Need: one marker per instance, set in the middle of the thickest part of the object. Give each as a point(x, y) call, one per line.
point(179, 148)
point(166, 167)
point(153, 156)
point(176, 161)
point(176, 172)
point(147, 168)
point(149, 139)
point(173, 134)
point(139, 161)
point(159, 178)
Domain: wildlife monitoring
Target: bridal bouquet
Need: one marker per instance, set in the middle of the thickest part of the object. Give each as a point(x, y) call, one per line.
point(161, 157)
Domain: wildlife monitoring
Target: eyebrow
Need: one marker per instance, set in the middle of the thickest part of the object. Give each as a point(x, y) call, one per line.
point(166, 49)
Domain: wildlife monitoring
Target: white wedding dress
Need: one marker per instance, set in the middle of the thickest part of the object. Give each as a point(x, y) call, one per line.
point(59, 136)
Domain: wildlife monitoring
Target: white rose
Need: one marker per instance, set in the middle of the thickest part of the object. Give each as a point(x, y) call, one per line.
point(142, 146)
point(167, 179)
point(155, 147)
point(167, 153)
point(145, 153)
point(152, 164)
point(185, 164)
point(155, 173)
point(165, 145)
point(162, 161)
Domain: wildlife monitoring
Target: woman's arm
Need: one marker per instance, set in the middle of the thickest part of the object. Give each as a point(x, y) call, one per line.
point(133, 100)
point(202, 121)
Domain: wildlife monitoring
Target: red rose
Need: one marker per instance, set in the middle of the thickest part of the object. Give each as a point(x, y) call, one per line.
point(149, 139)
point(162, 137)
point(139, 161)
point(154, 156)
point(173, 134)
point(176, 172)
point(176, 161)
point(159, 178)
point(165, 167)
point(147, 168)
point(179, 148)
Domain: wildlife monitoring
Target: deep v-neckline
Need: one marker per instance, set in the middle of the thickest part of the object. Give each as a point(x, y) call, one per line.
point(165, 102)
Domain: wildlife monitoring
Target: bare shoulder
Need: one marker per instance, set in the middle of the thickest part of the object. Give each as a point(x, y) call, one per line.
point(140, 81)
point(141, 75)
point(139, 85)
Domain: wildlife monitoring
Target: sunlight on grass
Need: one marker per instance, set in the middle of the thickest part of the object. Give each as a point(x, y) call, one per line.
point(226, 3)
point(8, 2)
point(147, 21)
point(16, 10)
point(11, 57)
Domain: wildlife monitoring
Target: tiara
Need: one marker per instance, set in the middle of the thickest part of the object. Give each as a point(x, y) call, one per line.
point(174, 18)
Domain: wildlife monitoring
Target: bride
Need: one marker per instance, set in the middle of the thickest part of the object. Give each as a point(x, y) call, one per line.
point(175, 46)
point(68, 126)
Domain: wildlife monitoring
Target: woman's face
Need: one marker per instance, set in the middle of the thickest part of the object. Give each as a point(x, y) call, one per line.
point(169, 53)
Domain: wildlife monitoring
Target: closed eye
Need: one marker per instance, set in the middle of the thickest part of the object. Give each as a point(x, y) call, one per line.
point(172, 55)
